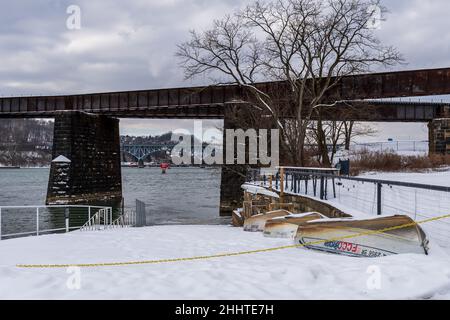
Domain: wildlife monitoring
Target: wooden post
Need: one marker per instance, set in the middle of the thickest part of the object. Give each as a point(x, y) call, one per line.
point(281, 184)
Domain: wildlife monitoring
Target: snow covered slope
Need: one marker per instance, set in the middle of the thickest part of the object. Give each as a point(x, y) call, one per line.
point(286, 274)
point(438, 178)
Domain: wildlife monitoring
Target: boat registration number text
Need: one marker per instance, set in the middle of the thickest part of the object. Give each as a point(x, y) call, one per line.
point(342, 247)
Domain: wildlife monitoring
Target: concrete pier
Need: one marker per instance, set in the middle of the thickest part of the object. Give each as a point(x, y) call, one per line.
point(92, 144)
point(233, 176)
point(439, 132)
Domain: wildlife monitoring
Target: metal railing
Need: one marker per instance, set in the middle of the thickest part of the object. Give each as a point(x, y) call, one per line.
point(103, 220)
point(382, 146)
point(396, 146)
point(100, 221)
point(127, 219)
point(21, 221)
point(293, 177)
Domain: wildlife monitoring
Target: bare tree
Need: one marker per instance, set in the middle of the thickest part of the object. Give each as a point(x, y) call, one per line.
point(308, 44)
point(353, 129)
point(24, 141)
point(333, 135)
point(327, 135)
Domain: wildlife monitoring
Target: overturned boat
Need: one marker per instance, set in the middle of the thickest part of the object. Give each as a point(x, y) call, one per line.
point(256, 190)
point(257, 223)
point(286, 227)
point(359, 238)
point(237, 219)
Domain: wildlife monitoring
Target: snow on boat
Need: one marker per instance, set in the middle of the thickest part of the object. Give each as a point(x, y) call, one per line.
point(258, 222)
point(286, 227)
point(250, 188)
point(237, 219)
point(335, 236)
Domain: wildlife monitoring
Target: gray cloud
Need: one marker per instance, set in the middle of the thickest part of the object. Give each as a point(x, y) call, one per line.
point(419, 29)
point(125, 45)
point(122, 44)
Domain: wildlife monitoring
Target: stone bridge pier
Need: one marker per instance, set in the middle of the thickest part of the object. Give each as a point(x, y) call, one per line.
point(92, 144)
point(439, 133)
point(233, 176)
point(231, 193)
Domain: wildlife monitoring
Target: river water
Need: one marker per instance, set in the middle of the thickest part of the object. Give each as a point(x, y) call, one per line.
point(183, 196)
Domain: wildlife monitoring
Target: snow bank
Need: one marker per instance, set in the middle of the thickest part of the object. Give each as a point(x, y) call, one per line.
point(286, 274)
point(437, 178)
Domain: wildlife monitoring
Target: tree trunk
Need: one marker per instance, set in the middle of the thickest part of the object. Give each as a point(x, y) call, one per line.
point(322, 143)
point(348, 134)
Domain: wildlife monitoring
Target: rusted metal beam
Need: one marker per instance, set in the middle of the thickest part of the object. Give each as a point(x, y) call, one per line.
point(213, 99)
point(353, 110)
point(384, 111)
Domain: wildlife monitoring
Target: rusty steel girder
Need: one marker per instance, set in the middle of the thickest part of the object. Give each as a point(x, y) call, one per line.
point(209, 102)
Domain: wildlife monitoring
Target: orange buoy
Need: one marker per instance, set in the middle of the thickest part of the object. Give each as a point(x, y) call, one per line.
point(164, 166)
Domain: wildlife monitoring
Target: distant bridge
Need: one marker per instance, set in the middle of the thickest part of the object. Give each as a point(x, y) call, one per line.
point(140, 152)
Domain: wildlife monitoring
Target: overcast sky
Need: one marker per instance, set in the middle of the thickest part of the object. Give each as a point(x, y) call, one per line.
point(129, 45)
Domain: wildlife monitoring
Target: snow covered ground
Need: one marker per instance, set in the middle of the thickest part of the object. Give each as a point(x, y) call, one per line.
point(438, 178)
point(286, 274)
point(403, 148)
point(400, 147)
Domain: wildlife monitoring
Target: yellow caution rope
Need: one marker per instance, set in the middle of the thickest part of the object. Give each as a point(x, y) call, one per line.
point(223, 255)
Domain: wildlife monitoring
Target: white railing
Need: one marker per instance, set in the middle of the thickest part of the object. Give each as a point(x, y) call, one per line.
point(128, 219)
point(395, 146)
point(20, 221)
point(103, 220)
point(99, 221)
point(383, 146)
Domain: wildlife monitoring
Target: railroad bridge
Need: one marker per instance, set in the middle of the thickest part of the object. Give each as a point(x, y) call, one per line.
point(87, 126)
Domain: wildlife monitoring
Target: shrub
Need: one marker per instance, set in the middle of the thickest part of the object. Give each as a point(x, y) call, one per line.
point(392, 162)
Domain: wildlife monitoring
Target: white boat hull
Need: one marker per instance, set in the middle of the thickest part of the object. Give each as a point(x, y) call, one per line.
point(257, 223)
point(287, 227)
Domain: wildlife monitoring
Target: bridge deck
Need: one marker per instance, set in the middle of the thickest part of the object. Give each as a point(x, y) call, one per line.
point(209, 102)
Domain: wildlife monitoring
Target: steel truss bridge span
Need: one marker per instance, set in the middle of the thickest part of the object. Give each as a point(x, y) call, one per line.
point(140, 152)
point(211, 102)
